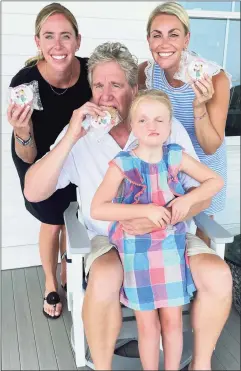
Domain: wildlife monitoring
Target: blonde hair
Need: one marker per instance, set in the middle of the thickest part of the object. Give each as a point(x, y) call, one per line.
point(43, 15)
point(171, 8)
point(152, 94)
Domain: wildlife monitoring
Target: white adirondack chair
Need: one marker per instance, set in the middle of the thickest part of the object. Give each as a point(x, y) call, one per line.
point(78, 245)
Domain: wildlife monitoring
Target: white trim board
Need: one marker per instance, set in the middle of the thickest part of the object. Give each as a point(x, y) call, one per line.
point(14, 257)
point(213, 14)
point(20, 256)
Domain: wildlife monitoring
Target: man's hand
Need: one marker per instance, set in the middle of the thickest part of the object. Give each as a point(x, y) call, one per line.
point(75, 129)
point(138, 226)
point(145, 225)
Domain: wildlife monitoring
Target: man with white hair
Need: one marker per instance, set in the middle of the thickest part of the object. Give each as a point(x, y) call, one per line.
point(78, 158)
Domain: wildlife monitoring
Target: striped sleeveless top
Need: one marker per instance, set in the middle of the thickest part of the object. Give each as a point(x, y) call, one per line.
point(182, 99)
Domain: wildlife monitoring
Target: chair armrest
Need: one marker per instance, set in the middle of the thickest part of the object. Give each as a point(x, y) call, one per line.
point(212, 229)
point(79, 242)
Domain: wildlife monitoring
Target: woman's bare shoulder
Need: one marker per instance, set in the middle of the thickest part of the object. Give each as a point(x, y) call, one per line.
point(221, 79)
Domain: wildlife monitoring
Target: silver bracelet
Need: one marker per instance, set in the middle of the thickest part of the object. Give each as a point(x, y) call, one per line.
point(24, 142)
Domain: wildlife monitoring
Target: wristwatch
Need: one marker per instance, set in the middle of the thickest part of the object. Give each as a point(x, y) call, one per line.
point(24, 142)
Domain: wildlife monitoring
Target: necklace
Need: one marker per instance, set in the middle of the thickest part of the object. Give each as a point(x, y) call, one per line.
point(54, 91)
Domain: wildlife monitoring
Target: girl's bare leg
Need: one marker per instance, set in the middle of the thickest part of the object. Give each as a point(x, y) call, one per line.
point(172, 337)
point(148, 324)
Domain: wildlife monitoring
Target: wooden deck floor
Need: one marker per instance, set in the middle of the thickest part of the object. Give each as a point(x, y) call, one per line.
point(32, 342)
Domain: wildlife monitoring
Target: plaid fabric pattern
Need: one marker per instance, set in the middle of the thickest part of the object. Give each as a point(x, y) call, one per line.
point(156, 269)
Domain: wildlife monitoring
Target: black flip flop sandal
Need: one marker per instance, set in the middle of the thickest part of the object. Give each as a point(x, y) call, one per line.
point(52, 299)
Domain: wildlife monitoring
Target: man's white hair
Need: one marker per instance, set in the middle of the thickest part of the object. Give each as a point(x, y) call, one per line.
point(117, 52)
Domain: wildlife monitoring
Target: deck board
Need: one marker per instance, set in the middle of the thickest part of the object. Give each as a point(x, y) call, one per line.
point(44, 343)
point(26, 337)
point(62, 347)
point(233, 325)
point(232, 345)
point(226, 358)
point(31, 341)
point(216, 364)
point(10, 350)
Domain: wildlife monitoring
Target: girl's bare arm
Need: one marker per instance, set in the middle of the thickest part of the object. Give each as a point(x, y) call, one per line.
point(102, 207)
point(210, 182)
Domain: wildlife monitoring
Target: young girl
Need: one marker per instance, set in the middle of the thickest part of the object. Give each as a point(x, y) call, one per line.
point(144, 182)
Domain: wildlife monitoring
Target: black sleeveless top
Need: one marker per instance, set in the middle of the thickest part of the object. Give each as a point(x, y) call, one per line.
point(47, 125)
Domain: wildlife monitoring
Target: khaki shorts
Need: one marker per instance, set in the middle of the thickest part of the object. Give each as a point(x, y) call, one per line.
point(100, 245)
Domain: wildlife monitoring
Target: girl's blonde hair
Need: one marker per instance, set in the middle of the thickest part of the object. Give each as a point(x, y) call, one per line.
point(152, 94)
point(43, 15)
point(171, 8)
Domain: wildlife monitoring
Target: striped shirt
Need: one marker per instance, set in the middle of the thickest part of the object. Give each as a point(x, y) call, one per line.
point(182, 99)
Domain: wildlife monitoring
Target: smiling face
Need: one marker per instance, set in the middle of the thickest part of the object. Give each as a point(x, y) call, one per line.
point(110, 88)
point(58, 42)
point(151, 122)
point(167, 40)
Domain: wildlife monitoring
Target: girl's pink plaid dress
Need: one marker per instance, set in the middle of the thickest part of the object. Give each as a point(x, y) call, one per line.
point(156, 270)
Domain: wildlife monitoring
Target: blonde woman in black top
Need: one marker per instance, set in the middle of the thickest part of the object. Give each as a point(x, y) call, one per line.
point(63, 87)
